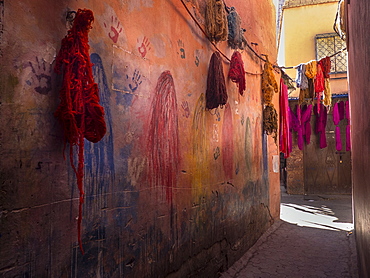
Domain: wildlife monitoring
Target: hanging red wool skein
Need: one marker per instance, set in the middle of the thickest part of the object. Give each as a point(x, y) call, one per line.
point(79, 110)
point(236, 71)
point(216, 94)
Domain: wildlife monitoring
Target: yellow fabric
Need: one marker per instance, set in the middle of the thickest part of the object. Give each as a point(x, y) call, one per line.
point(311, 69)
point(269, 84)
point(269, 87)
point(327, 93)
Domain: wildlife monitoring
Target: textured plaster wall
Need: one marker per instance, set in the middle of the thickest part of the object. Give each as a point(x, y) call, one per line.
point(223, 193)
point(359, 61)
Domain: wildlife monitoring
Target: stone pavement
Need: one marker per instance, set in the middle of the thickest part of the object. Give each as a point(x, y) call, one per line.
point(314, 238)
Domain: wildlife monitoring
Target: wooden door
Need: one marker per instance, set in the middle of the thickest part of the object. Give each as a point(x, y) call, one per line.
point(327, 171)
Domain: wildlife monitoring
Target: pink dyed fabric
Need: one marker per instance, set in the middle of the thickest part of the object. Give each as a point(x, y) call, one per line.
point(300, 123)
point(348, 127)
point(284, 120)
point(321, 118)
point(336, 118)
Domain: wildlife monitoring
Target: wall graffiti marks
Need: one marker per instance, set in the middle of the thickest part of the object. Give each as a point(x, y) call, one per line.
point(228, 143)
point(181, 44)
point(248, 144)
point(216, 153)
point(144, 47)
point(99, 157)
point(200, 172)
point(115, 29)
point(135, 81)
point(196, 61)
point(135, 168)
point(42, 72)
point(124, 95)
point(128, 77)
point(218, 115)
point(163, 140)
point(197, 55)
point(242, 120)
point(215, 133)
point(186, 110)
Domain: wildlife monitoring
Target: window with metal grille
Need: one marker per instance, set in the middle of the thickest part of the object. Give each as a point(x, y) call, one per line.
point(327, 45)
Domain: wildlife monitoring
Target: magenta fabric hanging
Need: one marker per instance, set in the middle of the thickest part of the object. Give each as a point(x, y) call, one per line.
point(341, 109)
point(340, 112)
point(300, 123)
point(284, 120)
point(306, 123)
point(336, 118)
point(348, 127)
point(296, 126)
point(321, 118)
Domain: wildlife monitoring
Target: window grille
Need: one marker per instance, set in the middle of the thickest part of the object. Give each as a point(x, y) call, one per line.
point(327, 45)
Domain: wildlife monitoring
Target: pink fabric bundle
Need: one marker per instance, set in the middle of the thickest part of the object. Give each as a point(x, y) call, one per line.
point(348, 127)
point(340, 112)
point(284, 119)
point(321, 118)
point(300, 123)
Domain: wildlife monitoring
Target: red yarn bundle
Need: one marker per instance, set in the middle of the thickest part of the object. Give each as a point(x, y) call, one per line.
point(236, 71)
point(79, 110)
point(325, 66)
point(216, 94)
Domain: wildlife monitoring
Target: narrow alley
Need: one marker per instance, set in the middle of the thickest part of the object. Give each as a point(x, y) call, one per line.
point(314, 238)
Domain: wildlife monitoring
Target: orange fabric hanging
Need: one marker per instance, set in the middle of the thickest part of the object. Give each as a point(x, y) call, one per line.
point(79, 110)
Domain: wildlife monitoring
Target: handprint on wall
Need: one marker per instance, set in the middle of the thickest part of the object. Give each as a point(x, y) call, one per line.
point(144, 47)
point(115, 29)
point(182, 50)
point(135, 81)
point(42, 72)
point(185, 107)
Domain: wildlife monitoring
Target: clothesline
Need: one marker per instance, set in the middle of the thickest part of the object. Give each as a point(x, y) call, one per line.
point(215, 46)
point(281, 68)
point(336, 53)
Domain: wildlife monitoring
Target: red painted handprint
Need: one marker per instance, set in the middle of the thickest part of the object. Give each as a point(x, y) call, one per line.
point(144, 47)
point(185, 107)
point(115, 31)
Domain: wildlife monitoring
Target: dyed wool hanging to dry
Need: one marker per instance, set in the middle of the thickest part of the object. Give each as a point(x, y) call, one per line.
point(269, 87)
point(163, 140)
point(235, 37)
point(270, 121)
point(216, 94)
point(236, 71)
point(326, 66)
point(284, 119)
point(216, 21)
point(79, 110)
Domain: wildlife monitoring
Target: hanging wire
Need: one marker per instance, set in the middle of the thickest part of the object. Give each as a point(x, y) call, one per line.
point(336, 53)
point(246, 42)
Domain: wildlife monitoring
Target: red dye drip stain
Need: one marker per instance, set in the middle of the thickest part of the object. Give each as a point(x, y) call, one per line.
point(163, 140)
point(79, 110)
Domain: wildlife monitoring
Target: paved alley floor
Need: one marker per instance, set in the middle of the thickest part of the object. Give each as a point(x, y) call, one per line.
point(314, 238)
